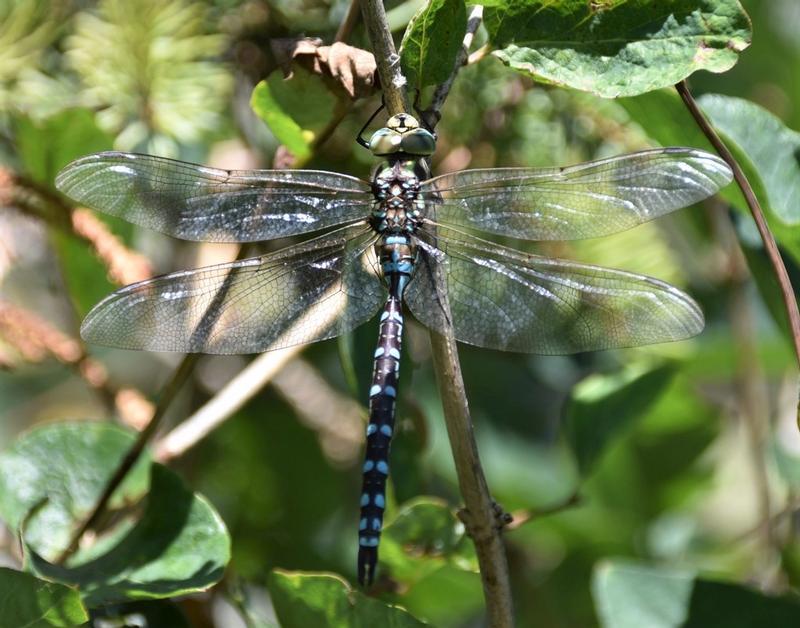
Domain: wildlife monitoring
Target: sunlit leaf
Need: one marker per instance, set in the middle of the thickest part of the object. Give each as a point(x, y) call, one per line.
point(324, 600)
point(617, 47)
point(178, 546)
point(768, 144)
point(27, 601)
point(60, 469)
point(432, 41)
point(295, 109)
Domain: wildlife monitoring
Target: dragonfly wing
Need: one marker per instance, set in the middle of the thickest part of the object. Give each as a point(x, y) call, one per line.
point(583, 201)
point(311, 291)
point(507, 300)
point(193, 202)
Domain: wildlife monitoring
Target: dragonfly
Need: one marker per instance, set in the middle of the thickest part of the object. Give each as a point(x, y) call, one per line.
point(403, 238)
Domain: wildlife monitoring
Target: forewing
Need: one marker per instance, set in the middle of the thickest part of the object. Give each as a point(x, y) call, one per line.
point(583, 201)
point(507, 300)
point(193, 202)
point(312, 291)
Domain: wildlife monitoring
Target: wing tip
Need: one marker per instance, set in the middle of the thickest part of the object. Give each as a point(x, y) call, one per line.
point(65, 178)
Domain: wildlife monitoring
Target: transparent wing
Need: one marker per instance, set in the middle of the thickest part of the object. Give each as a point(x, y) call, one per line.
point(315, 290)
point(505, 299)
point(583, 201)
point(193, 202)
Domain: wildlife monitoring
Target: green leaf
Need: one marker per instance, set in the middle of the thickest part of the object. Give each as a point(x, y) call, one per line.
point(179, 546)
point(26, 601)
point(617, 47)
point(432, 41)
point(423, 537)
point(768, 144)
point(601, 407)
point(295, 109)
point(51, 478)
point(663, 116)
point(327, 601)
point(631, 596)
point(68, 465)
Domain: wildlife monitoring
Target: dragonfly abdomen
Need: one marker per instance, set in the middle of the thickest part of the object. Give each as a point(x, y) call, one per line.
point(397, 263)
point(382, 399)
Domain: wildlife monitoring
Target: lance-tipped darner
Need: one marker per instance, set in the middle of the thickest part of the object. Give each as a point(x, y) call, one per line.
point(401, 239)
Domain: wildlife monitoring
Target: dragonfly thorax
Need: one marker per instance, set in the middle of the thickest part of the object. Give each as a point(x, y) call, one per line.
point(398, 204)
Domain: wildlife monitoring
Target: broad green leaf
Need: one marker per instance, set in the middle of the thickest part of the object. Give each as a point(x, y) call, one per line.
point(432, 41)
point(423, 537)
point(632, 596)
point(663, 116)
point(26, 601)
point(179, 546)
point(60, 469)
point(770, 147)
point(617, 47)
point(601, 407)
point(295, 109)
point(327, 601)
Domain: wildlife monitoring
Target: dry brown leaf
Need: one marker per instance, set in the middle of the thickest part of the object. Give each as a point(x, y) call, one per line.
point(351, 69)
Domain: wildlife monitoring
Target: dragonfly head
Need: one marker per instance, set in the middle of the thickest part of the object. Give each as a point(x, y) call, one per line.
point(402, 135)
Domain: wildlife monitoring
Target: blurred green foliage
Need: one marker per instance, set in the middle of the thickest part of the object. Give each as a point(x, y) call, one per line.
point(667, 457)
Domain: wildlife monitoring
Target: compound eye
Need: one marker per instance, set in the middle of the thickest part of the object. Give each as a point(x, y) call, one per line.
point(385, 142)
point(418, 142)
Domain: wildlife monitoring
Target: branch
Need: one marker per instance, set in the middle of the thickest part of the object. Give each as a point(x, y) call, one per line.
point(767, 238)
point(480, 516)
point(393, 82)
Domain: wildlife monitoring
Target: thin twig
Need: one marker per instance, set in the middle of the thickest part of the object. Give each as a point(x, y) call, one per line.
point(480, 515)
point(767, 238)
point(433, 113)
point(392, 80)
